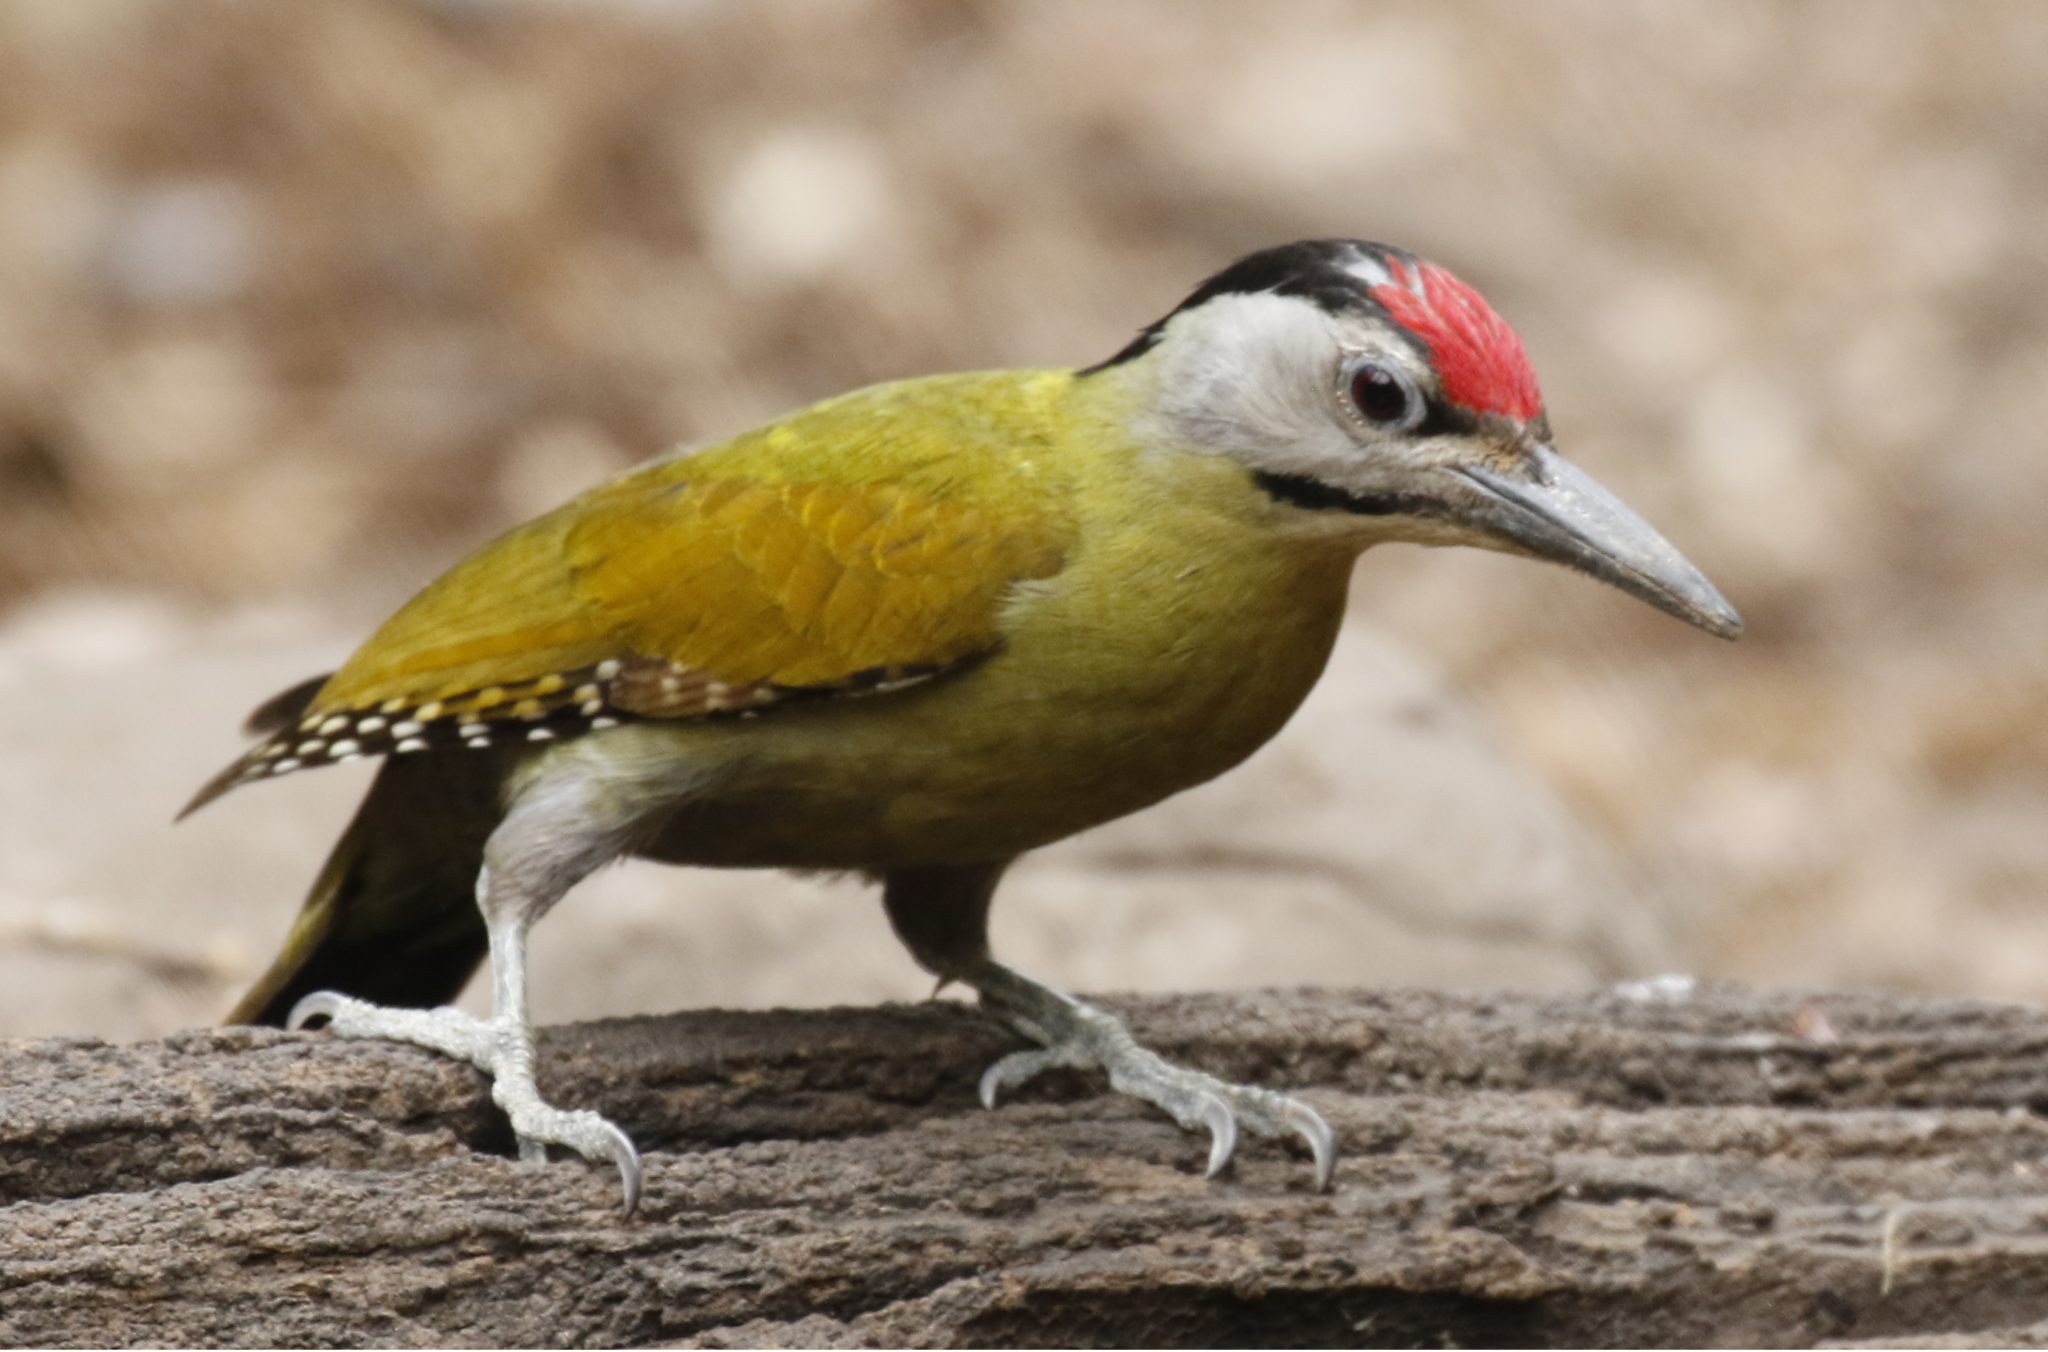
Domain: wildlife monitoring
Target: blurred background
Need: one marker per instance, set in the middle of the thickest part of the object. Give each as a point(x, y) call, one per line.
point(298, 303)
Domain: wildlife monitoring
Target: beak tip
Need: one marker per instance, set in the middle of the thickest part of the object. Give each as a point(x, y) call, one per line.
point(1717, 615)
point(1705, 608)
point(1719, 618)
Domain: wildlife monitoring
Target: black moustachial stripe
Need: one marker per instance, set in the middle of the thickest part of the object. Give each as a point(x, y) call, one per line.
point(1298, 490)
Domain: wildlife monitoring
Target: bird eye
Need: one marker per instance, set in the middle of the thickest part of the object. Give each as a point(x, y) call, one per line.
point(1384, 398)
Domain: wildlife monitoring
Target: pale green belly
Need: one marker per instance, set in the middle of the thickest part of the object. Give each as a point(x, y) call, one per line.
point(984, 765)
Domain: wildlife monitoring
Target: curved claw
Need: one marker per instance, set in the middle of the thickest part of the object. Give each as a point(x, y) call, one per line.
point(1222, 1124)
point(1008, 1073)
point(1322, 1142)
point(594, 1138)
point(320, 1004)
point(628, 1160)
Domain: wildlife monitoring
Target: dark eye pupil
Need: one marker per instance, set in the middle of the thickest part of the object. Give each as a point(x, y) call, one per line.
point(1378, 395)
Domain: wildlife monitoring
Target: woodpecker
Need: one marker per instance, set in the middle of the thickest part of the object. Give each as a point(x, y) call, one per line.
point(913, 632)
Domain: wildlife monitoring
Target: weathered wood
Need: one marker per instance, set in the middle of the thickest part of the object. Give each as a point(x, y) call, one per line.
point(1591, 1170)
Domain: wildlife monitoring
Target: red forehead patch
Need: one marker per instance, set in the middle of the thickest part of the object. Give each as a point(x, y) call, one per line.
point(1479, 360)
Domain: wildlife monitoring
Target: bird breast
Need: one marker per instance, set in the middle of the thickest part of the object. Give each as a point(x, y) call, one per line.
point(1151, 665)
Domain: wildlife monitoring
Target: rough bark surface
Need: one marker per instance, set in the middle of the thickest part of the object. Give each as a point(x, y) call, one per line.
point(1726, 1168)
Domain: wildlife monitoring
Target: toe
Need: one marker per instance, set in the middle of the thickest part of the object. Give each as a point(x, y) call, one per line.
point(1322, 1142)
point(446, 1030)
point(628, 1159)
point(1012, 1072)
point(319, 1005)
point(595, 1138)
point(1222, 1124)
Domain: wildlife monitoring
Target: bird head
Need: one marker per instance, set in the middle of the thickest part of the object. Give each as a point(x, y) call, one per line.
point(1371, 394)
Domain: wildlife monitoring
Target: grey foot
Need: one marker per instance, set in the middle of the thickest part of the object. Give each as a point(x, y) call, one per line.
point(1083, 1037)
point(503, 1051)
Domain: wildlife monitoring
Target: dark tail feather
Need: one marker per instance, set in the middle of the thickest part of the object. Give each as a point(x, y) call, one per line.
point(284, 708)
point(273, 715)
point(392, 917)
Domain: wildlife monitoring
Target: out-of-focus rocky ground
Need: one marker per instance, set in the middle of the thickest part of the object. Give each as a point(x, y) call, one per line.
point(298, 302)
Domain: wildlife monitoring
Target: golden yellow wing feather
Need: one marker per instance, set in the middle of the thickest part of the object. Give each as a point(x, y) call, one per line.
point(809, 583)
point(694, 587)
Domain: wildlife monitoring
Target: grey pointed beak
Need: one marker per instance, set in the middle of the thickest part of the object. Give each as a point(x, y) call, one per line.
point(1548, 507)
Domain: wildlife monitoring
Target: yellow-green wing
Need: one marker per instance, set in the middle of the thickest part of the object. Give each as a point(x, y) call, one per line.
point(747, 583)
point(683, 590)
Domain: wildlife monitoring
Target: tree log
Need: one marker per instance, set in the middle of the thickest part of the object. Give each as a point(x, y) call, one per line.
point(1723, 1167)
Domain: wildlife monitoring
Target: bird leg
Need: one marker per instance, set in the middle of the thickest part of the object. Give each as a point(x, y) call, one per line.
point(1073, 1033)
point(526, 870)
point(941, 914)
point(501, 1047)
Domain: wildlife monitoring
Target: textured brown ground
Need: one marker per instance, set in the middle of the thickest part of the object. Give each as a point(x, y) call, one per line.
point(1724, 1169)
